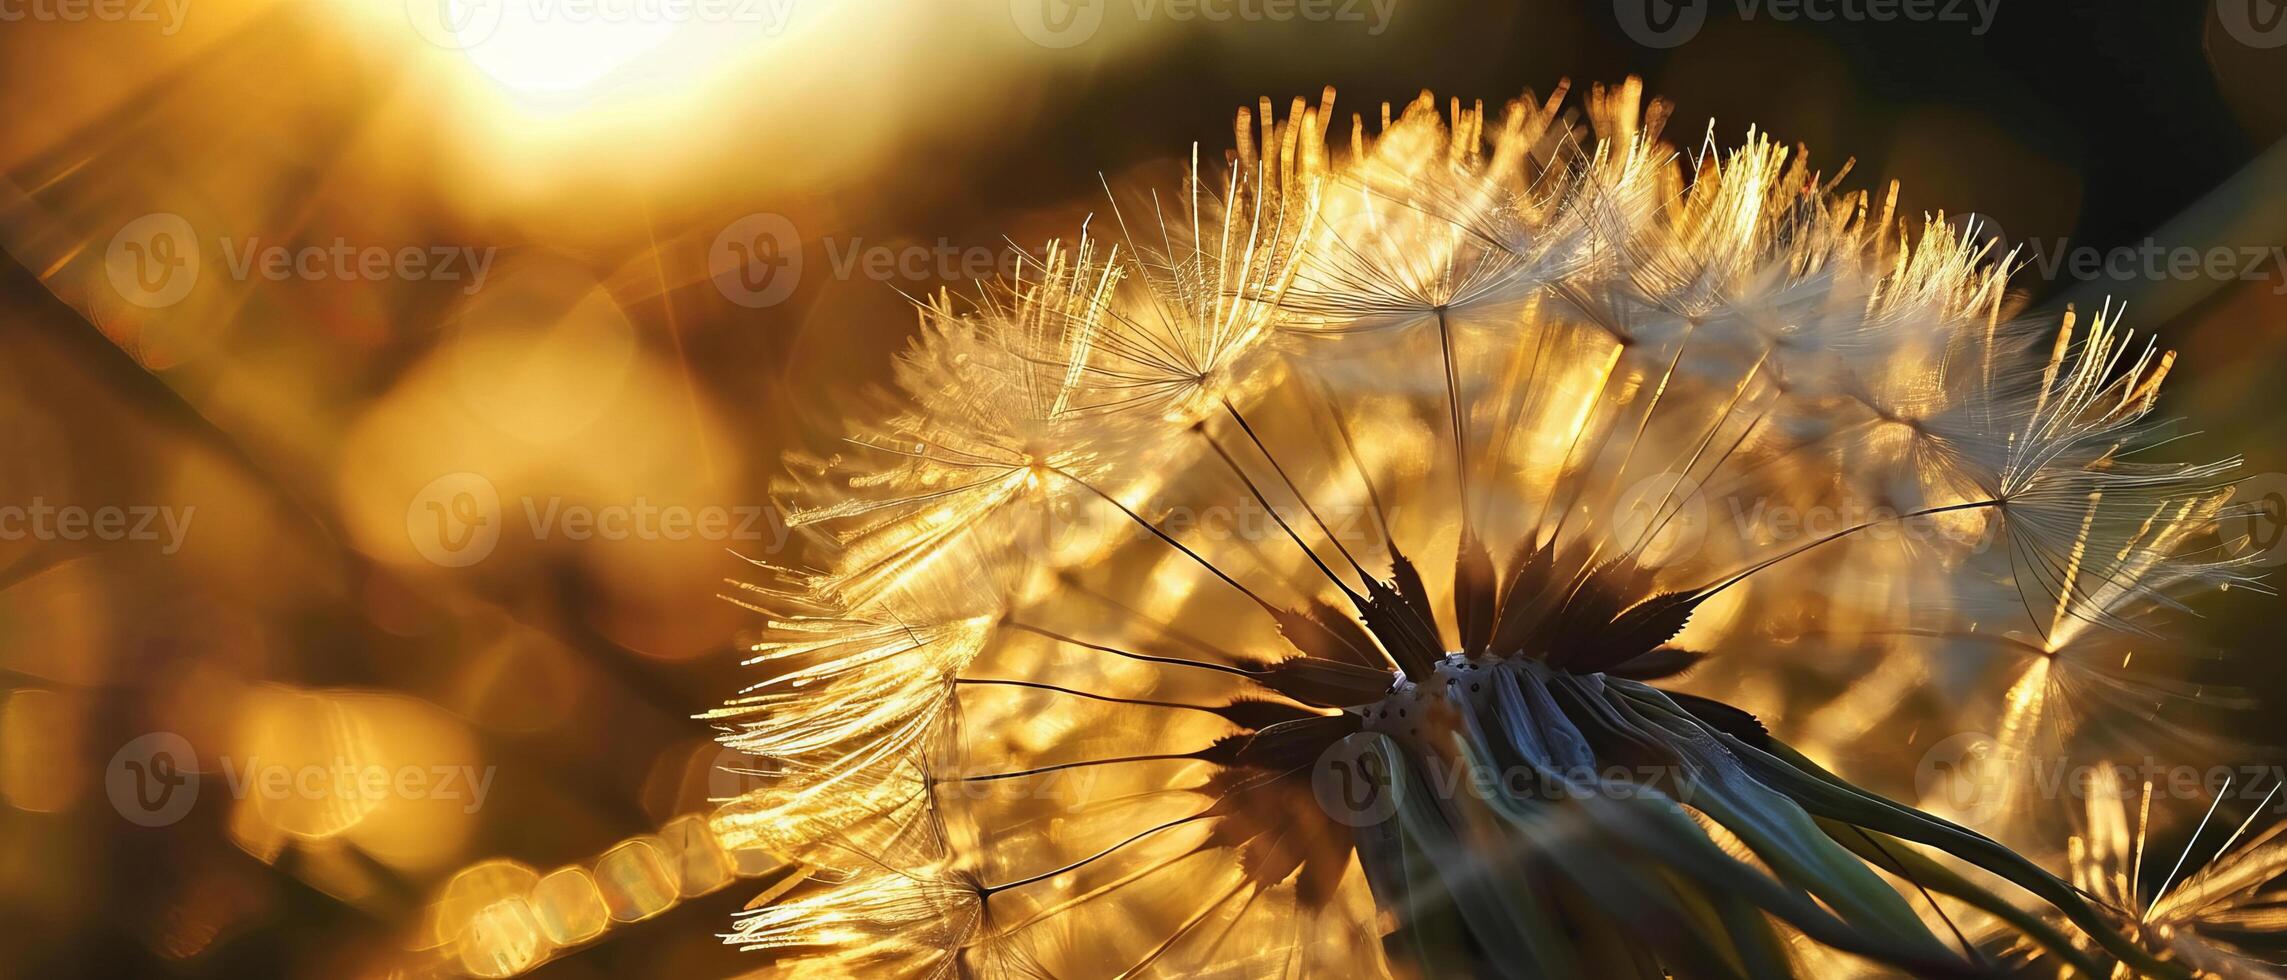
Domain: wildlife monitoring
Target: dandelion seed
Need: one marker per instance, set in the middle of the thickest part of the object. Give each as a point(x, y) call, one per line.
point(2221, 917)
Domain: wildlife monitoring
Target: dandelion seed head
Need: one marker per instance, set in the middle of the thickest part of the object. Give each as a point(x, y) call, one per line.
point(1183, 580)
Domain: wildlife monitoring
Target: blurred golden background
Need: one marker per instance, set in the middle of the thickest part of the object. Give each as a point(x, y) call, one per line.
point(391, 387)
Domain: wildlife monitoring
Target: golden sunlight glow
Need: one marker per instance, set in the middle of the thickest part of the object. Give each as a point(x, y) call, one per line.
point(562, 53)
point(532, 81)
point(534, 54)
